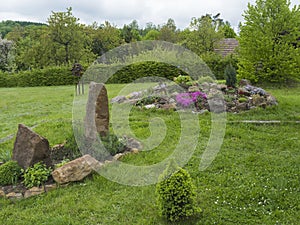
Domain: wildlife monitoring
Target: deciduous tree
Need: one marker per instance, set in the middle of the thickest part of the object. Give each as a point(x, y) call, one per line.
point(269, 49)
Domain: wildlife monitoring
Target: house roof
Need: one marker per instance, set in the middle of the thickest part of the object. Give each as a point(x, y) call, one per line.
point(227, 46)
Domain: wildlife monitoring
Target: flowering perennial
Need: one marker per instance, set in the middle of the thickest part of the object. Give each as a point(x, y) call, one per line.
point(187, 99)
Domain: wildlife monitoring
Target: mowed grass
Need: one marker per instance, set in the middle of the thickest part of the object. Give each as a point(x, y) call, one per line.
point(255, 178)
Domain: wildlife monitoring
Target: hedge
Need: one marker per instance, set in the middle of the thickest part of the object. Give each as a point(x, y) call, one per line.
point(54, 76)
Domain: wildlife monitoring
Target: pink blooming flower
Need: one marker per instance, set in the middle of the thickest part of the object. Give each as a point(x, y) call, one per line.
point(186, 99)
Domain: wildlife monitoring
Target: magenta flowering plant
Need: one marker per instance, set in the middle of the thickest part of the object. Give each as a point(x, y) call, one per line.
point(188, 99)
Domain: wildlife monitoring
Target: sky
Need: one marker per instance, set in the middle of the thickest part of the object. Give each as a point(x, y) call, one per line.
point(120, 12)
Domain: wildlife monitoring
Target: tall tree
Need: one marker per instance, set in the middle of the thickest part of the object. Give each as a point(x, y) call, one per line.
point(131, 32)
point(205, 33)
point(67, 33)
point(269, 50)
point(104, 38)
point(168, 32)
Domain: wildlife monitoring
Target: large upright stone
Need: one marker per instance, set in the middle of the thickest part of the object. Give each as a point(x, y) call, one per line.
point(97, 112)
point(30, 148)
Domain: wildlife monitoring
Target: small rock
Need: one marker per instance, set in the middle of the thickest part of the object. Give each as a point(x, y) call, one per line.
point(34, 191)
point(169, 106)
point(14, 195)
point(2, 194)
point(132, 143)
point(134, 150)
point(117, 156)
point(118, 99)
point(271, 100)
point(151, 106)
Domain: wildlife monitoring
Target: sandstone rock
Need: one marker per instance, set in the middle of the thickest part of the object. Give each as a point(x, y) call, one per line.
point(97, 112)
point(76, 170)
point(134, 150)
point(168, 106)
point(34, 191)
point(14, 195)
point(30, 148)
point(2, 193)
point(117, 156)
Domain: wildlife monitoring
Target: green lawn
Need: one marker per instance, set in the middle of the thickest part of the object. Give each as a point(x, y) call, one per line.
point(255, 178)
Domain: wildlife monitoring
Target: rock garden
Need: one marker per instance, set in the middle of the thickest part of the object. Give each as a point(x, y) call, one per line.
point(36, 168)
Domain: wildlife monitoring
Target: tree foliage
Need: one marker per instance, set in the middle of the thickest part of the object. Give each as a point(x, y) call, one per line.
point(269, 42)
point(67, 36)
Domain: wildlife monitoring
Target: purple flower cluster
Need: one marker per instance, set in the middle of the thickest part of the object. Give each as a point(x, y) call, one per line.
point(186, 99)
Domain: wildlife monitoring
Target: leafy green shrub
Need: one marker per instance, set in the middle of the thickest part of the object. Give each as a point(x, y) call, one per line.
point(243, 99)
point(176, 195)
point(36, 175)
point(182, 79)
point(207, 79)
point(230, 75)
point(10, 172)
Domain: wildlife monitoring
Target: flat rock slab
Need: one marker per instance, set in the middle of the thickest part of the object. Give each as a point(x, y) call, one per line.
point(76, 170)
point(30, 148)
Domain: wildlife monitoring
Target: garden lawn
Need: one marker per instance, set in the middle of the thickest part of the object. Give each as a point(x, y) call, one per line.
point(255, 178)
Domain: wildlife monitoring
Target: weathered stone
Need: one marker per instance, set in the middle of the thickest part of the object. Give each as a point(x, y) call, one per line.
point(76, 170)
point(97, 112)
point(34, 191)
point(2, 193)
point(168, 106)
point(14, 195)
point(134, 150)
point(118, 99)
point(257, 100)
point(30, 148)
point(117, 156)
point(242, 106)
point(132, 143)
point(271, 100)
point(217, 105)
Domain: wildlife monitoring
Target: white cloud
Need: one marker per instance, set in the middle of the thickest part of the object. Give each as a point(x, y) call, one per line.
point(120, 12)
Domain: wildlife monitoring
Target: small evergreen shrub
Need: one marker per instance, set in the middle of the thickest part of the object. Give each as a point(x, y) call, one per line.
point(36, 175)
point(230, 75)
point(10, 172)
point(176, 195)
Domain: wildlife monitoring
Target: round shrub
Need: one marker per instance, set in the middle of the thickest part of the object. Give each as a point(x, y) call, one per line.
point(36, 175)
point(10, 172)
point(176, 195)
